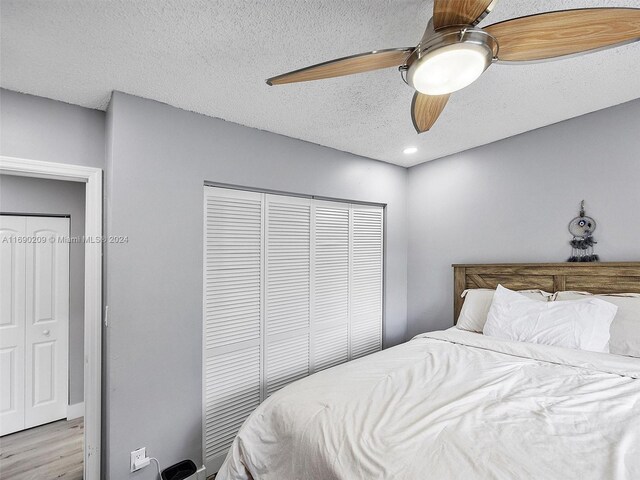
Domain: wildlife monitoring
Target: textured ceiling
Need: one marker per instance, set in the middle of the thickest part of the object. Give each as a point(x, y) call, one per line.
point(212, 57)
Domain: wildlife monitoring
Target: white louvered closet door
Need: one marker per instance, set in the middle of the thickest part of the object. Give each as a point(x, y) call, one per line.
point(366, 280)
point(291, 286)
point(330, 294)
point(287, 290)
point(232, 315)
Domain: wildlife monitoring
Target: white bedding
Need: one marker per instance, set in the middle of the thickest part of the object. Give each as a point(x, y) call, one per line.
point(450, 405)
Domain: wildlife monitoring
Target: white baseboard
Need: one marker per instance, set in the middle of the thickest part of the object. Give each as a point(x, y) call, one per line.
point(75, 411)
point(201, 474)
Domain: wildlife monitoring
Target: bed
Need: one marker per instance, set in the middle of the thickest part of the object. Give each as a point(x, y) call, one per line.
point(456, 404)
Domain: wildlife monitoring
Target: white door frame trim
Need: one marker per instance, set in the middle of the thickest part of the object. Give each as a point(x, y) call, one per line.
point(92, 290)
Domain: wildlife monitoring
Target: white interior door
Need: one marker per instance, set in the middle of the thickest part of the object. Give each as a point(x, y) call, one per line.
point(47, 320)
point(232, 318)
point(330, 295)
point(291, 286)
point(366, 279)
point(34, 321)
point(12, 323)
point(287, 310)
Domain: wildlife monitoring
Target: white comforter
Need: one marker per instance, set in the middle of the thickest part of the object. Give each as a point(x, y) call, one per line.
point(450, 405)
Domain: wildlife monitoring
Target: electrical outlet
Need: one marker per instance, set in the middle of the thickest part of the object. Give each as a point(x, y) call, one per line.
point(137, 456)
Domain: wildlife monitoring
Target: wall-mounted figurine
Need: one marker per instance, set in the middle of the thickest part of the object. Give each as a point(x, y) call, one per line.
point(582, 228)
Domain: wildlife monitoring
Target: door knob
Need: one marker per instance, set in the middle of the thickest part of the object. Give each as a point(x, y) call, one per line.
point(46, 333)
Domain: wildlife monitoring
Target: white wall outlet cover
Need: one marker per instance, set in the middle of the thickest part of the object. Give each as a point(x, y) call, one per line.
point(137, 457)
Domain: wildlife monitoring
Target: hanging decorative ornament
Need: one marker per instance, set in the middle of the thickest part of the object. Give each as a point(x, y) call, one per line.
point(582, 228)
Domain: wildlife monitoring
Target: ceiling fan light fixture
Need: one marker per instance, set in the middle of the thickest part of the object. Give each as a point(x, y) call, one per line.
point(454, 52)
point(454, 62)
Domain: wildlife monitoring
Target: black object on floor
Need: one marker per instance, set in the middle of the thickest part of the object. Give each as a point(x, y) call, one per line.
point(179, 471)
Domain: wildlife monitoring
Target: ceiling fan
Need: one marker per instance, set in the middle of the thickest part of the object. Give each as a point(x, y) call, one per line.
point(454, 52)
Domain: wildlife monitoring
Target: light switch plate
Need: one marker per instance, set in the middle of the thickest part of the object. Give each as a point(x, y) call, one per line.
point(137, 456)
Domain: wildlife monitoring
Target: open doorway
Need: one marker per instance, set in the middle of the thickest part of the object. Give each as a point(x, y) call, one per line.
point(42, 326)
point(50, 290)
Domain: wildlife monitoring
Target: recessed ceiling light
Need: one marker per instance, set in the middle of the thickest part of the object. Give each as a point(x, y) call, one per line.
point(409, 150)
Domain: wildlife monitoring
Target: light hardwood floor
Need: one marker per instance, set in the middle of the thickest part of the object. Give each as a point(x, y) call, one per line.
point(48, 452)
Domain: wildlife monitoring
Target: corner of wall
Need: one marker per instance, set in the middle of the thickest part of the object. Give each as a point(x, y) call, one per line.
point(106, 185)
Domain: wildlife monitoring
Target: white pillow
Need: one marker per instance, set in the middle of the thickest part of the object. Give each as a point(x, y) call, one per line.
point(582, 324)
point(476, 306)
point(625, 329)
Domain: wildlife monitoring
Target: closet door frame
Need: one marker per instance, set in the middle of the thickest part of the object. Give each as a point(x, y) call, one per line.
point(92, 177)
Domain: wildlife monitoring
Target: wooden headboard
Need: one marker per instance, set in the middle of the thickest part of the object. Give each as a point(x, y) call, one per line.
point(551, 277)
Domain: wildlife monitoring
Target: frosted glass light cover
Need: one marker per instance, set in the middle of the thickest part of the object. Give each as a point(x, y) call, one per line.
point(449, 68)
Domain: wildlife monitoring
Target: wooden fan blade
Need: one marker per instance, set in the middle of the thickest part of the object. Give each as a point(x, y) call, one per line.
point(460, 12)
point(363, 62)
point(566, 32)
point(425, 110)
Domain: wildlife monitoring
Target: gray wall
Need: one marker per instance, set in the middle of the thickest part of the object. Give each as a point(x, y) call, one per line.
point(158, 160)
point(37, 195)
point(41, 129)
point(511, 201)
